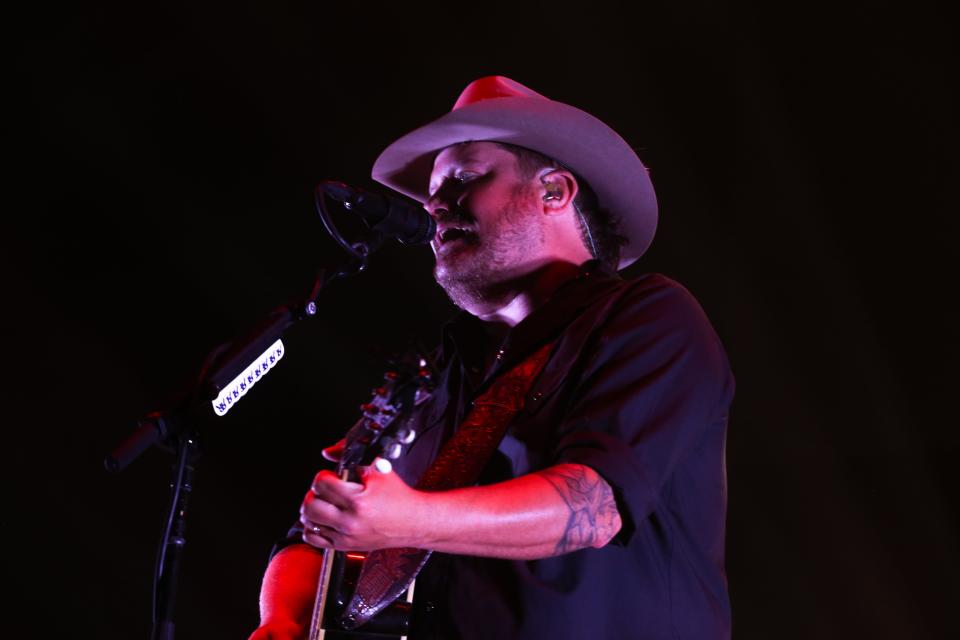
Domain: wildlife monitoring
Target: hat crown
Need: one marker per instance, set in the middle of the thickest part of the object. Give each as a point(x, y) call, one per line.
point(498, 109)
point(494, 87)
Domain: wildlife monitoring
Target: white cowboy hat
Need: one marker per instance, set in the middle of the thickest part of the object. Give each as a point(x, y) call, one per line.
point(498, 109)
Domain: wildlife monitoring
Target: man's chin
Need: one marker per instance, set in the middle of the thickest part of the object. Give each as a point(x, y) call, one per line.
point(448, 276)
point(462, 284)
point(454, 265)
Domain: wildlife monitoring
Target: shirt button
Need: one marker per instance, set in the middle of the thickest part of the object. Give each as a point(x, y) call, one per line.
point(429, 606)
point(500, 354)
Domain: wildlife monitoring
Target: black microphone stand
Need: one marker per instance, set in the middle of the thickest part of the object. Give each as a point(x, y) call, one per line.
point(177, 429)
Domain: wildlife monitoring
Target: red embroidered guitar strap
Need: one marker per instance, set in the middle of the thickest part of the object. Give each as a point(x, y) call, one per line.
point(387, 573)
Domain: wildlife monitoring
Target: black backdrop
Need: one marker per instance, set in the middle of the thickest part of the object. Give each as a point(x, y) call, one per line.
point(164, 156)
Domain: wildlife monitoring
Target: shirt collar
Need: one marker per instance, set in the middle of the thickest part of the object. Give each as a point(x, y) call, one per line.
point(465, 335)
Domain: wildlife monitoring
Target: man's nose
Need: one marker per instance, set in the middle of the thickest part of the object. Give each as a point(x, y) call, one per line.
point(437, 206)
point(446, 199)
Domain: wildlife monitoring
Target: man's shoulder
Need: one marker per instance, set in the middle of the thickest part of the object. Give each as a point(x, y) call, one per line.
point(653, 292)
point(653, 281)
point(652, 306)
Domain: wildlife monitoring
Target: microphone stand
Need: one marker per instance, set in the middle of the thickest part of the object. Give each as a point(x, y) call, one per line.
point(176, 429)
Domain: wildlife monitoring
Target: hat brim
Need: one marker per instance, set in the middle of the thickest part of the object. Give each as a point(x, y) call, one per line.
point(580, 141)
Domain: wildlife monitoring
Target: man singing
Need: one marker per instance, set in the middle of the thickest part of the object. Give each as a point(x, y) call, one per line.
point(597, 509)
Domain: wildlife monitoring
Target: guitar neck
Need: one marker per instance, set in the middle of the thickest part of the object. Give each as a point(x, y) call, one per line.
point(317, 631)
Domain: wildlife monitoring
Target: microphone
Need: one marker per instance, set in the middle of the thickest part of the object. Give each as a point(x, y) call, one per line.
point(408, 223)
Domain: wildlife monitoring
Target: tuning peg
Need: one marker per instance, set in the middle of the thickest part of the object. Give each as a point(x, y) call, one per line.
point(406, 436)
point(393, 451)
point(380, 391)
point(391, 375)
point(368, 407)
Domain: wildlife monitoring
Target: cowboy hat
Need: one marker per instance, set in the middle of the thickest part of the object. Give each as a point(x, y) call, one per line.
point(498, 109)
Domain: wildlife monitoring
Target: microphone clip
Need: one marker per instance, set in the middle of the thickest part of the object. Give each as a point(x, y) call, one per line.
point(359, 250)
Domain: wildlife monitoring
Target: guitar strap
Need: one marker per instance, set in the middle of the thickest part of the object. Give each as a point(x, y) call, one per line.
point(387, 573)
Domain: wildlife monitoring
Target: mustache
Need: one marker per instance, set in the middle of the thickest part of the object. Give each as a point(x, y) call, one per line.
point(457, 215)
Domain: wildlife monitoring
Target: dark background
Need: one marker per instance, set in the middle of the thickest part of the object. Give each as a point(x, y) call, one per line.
point(163, 160)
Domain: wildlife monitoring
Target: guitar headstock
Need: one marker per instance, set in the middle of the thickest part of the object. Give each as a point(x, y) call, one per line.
point(381, 430)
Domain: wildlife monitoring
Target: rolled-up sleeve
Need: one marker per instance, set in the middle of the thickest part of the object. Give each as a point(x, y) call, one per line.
point(654, 385)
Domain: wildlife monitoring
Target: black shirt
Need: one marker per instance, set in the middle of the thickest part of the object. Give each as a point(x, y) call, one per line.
point(638, 388)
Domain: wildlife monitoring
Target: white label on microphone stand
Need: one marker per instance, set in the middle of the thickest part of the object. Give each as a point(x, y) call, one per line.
point(231, 393)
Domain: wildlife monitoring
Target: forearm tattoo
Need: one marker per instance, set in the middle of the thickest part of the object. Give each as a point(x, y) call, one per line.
point(593, 519)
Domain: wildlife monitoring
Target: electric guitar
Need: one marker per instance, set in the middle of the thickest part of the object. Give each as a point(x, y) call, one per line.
point(382, 431)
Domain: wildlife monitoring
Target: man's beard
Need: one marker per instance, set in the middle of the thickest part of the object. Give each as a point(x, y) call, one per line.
point(489, 272)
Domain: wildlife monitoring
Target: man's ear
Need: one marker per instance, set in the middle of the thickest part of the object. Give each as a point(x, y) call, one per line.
point(558, 188)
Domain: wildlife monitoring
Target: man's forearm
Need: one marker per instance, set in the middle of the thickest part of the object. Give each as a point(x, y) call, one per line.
point(564, 508)
point(290, 585)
